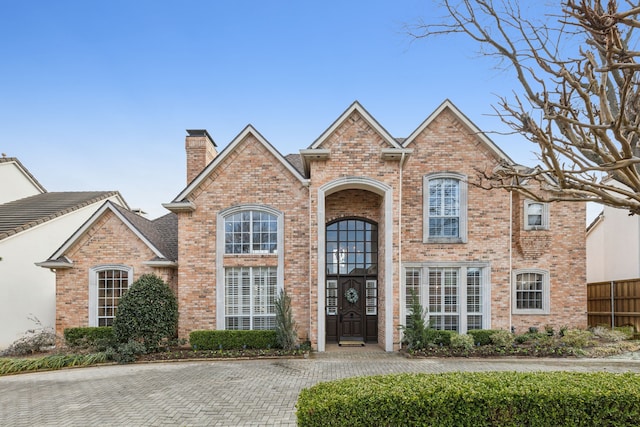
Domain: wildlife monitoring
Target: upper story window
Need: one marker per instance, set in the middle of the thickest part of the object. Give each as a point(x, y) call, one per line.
point(531, 292)
point(536, 215)
point(445, 208)
point(251, 232)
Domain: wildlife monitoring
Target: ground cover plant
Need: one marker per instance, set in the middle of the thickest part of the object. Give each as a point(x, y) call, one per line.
point(420, 339)
point(474, 399)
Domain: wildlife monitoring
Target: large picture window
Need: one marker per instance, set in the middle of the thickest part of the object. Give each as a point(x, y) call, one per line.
point(251, 232)
point(455, 296)
point(445, 208)
point(107, 284)
point(250, 295)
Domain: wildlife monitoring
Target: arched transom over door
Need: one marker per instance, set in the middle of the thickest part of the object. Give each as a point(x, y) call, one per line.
point(351, 280)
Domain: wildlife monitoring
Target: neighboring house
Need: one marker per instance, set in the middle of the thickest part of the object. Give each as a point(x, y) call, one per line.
point(351, 228)
point(33, 223)
point(613, 246)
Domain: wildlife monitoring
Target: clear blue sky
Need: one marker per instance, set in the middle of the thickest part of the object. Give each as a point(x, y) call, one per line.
point(96, 95)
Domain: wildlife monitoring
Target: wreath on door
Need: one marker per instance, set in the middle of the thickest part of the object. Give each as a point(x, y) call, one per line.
point(351, 295)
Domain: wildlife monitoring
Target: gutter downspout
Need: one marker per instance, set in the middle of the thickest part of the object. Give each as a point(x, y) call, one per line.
point(510, 259)
point(400, 287)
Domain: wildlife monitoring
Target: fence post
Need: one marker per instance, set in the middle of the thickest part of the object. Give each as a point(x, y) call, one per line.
point(613, 315)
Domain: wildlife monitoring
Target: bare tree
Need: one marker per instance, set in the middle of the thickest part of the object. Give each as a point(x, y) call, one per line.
point(579, 96)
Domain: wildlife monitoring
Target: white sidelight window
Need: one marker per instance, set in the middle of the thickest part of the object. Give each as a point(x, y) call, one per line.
point(250, 295)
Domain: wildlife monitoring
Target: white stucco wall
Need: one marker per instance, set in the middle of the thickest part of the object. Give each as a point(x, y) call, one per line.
point(613, 247)
point(20, 185)
point(25, 289)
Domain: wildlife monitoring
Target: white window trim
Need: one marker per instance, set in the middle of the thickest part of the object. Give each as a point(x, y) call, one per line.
point(93, 287)
point(252, 307)
point(545, 215)
point(546, 292)
point(462, 289)
point(462, 179)
point(220, 254)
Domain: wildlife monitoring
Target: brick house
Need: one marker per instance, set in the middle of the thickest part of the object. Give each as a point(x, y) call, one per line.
point(350, 227)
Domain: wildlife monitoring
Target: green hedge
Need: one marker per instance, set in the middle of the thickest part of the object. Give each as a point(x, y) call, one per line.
point(89, 336)
point(232, 340)
point(482, 336)
point(474, 399)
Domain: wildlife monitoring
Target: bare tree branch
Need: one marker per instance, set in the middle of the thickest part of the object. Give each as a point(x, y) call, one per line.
point(580, 106)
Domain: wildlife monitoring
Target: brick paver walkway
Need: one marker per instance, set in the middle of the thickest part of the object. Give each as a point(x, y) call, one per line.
point(220, 393)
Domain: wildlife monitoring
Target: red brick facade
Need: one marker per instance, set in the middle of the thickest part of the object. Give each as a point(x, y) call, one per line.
point(355, 170)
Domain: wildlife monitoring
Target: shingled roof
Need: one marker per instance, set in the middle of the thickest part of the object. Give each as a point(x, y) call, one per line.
point(160, 235)
point(23, 214)
point(161, 232)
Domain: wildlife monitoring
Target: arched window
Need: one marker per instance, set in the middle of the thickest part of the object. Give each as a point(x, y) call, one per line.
point(248, 286)
point(531, 291)
point(107, 284)
point(445, 208)
point(251, 232)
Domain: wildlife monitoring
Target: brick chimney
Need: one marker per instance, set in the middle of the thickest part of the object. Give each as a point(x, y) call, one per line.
point(201, 150)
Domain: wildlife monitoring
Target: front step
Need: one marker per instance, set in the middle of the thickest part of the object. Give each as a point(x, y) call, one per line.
point(351, 342)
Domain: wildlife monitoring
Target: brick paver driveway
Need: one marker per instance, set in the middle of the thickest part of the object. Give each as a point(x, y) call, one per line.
point(219, 393)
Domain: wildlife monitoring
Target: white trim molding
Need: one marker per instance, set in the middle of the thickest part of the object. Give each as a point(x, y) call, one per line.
point(220, 252)
point(382, 189)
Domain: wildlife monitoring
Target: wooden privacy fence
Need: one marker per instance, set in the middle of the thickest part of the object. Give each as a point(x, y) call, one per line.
point(621, 295)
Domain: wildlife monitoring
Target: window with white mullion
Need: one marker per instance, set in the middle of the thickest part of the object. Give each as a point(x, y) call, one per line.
point(443, 298)
point(474, 298)
point(250, 294)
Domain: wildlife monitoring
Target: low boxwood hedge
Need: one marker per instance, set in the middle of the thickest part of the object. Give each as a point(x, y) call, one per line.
point(482, 336)
point(474, 399)
point(89, 336)
point(232, 340)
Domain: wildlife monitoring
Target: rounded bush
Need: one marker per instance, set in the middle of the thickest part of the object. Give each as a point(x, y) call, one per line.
point(462, 341)
point(147, 313)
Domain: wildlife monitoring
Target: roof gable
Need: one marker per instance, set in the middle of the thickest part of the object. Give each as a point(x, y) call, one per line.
point(21, 183)
point(355, 107)
point(473, 129)
point(248, 130)
point(160, 235)
point(23, 214)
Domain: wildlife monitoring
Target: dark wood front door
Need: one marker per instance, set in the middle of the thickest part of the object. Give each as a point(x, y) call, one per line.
point(351, 280)
point(351, 308)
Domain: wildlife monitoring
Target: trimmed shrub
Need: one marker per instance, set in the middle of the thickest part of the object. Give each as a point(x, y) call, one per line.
point(98, 337)
point(462, 341)
point(482, 336)
point(438, 337)
point(537, 399)
point(502, 338)
point(147, 313)
point(232, 340)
